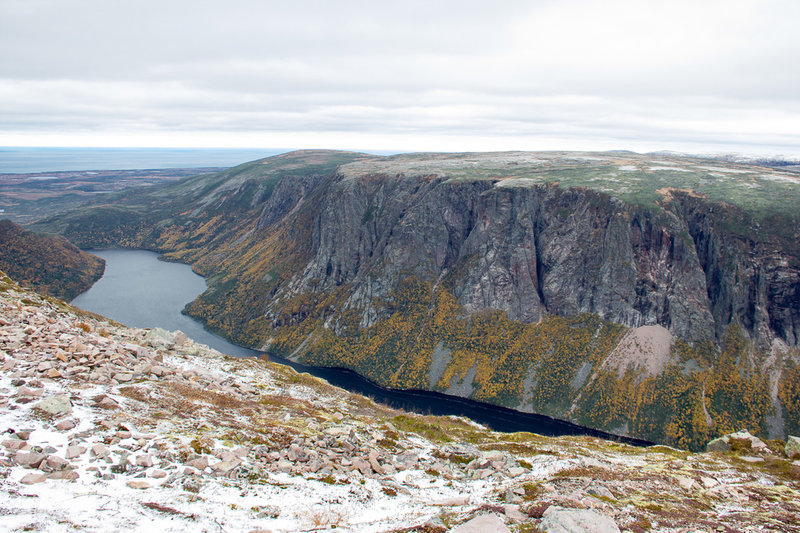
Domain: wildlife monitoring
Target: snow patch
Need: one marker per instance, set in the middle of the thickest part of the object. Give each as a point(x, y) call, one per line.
point(781, 177)
point(676, 169)
point(727, 170)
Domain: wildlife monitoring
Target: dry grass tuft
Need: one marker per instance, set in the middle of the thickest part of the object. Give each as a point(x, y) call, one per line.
point(134, 393)
point(592, 472)
point(167, 510)
point(226, 402)
point(324, 517)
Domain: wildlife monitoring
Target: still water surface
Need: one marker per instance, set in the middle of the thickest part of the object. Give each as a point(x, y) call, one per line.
point(138, 290)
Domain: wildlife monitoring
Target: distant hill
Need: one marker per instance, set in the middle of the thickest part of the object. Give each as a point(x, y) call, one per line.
point(26, 198)
point(48, 263)
point(654, 295)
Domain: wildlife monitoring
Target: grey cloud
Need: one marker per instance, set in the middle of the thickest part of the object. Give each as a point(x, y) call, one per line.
point(439, 68)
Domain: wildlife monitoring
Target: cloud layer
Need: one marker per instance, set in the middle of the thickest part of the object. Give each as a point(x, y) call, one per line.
point(689, 75)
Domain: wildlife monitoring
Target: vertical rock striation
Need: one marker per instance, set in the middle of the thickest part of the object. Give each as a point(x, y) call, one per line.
point(537, 250)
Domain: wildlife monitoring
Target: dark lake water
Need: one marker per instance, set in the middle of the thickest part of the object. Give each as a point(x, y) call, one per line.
point(140, 291)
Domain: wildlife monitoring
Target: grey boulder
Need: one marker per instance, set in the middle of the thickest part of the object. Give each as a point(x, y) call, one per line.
point(561, 520)
point(54, 406)
point(792, 448)
point(481, 524)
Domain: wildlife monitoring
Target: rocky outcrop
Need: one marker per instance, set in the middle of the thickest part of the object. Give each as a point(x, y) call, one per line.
point(792, 447)
point(559, 520)
point(48, 263)
point(540, 249)
point(752, 274)
point(741, 440)
point(285, 197)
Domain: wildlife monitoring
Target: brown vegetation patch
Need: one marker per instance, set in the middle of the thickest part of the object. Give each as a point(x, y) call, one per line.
point(325, 517)
point(221, 400)
point(134, 393)
point(532, 491)
point(668, 192)
point(640, 525)
point(537, 511)
point(452, 457)
point(167, 510)
point(591, 472)
point(282, 401)
point(515, 448)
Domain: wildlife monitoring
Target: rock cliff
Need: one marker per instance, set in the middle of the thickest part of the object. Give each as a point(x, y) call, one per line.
point(521, 271)
point(529, 251)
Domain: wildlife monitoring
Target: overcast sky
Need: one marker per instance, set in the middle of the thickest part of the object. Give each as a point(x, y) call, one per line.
point(644, 75)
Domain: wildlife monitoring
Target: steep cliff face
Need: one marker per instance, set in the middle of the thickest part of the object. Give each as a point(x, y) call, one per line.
point(539, 249)
point(752, 275)
point(526, 280)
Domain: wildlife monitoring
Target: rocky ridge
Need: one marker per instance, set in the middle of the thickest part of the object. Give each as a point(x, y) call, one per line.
point(106, 427)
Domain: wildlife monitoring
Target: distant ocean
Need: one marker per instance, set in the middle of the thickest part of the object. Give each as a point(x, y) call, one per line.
point(27, 160)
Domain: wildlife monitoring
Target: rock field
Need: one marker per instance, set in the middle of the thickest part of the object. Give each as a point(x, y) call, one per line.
point(106, 428)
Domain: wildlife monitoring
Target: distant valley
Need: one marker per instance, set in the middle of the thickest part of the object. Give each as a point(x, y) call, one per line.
point(27, 197)
point(652, 295)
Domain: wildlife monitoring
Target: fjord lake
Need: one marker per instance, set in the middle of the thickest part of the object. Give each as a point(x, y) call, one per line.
point(139, 290)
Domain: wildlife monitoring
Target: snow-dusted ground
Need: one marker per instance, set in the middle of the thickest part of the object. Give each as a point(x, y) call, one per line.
point(110, 429)
point(129, 462)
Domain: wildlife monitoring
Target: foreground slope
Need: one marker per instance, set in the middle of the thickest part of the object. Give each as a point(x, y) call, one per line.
point(110, 428)
point(602, 287)
point(47, 263)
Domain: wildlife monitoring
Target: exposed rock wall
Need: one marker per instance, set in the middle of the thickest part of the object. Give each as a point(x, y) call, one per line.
point(542, 249)
point(755, 280)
